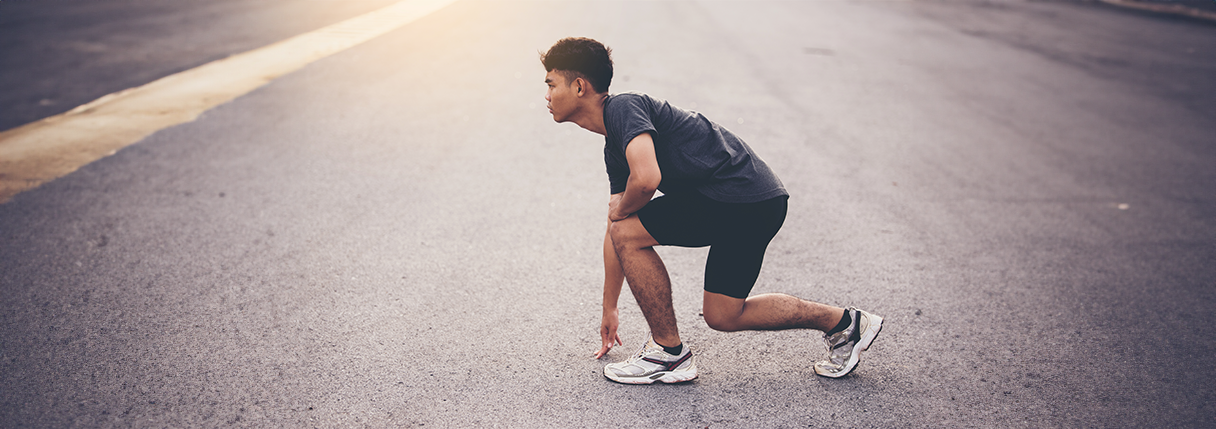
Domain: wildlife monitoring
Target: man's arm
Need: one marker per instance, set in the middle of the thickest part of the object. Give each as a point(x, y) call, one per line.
point(644, 178)
point(614, 278)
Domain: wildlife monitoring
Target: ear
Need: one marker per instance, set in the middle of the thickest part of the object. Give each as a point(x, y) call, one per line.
point(580, 85)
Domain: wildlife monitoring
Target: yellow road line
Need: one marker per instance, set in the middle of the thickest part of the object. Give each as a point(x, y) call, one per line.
point(41, 151)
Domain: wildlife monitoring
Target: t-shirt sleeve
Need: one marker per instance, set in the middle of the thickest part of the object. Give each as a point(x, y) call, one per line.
point(628, 116)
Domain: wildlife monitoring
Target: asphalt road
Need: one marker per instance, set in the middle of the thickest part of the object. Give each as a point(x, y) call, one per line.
point(59, 54)
point(398, 235)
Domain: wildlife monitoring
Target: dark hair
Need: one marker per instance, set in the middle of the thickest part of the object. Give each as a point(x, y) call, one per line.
point(581, 57)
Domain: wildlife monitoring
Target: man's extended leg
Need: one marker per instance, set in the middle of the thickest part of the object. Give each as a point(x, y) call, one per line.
point(770, 311)
point(847, 332)
point(731, 269)
point(647, 277)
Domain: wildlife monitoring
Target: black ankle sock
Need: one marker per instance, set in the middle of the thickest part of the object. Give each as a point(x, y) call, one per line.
point(674, 351)
point(844, 323)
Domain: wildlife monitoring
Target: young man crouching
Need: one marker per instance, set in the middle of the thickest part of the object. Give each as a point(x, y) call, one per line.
point(716, 192)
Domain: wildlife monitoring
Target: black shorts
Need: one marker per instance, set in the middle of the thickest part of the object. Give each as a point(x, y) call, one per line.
point(737, 234)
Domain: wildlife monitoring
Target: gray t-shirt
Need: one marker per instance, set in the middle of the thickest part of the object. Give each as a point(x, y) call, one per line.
point(694, 153)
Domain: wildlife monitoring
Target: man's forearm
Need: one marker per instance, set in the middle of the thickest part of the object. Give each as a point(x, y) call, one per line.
point(635, 197)
point(614, 276)
point(644, 177)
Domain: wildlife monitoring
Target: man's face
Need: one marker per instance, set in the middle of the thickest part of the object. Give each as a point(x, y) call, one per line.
point(561, 96)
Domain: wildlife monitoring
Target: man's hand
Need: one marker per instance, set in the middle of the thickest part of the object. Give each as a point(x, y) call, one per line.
point(608, 334)
point(614, 205)
point(613, 202)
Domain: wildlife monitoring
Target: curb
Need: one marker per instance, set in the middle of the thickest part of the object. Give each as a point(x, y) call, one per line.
point(1171, 9)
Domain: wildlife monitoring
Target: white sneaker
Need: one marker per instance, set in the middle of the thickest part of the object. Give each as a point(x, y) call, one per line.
point(845, 347)
point(651, 364)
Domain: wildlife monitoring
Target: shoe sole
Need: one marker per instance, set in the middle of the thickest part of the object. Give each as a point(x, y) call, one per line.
point(668, 377)
point(867, 338)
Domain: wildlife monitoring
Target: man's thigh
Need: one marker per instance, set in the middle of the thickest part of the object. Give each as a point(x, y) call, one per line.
point(738, 235)
point(693, 220)
point(680, 220)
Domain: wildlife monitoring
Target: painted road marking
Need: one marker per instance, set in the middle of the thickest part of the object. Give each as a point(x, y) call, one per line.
point(41, 151)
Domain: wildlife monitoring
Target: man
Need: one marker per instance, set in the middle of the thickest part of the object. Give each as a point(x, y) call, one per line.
point(716, 192)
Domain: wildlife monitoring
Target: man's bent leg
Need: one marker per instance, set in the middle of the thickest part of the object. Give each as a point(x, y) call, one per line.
point(770, 311)
point(647, 278)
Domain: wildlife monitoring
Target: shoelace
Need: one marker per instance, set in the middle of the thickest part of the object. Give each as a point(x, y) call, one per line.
point(835, 354)
point(640, 353)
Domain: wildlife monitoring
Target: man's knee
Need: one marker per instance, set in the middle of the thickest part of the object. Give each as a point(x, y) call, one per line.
point(617, 232)
point(722, 322)
point(629, 234)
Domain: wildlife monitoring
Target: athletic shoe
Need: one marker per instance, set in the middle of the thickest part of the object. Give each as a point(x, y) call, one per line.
point(651, 364)
point(845, 347)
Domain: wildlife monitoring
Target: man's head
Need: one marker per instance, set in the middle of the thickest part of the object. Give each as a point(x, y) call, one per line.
point(578, 73)
point(581, 58)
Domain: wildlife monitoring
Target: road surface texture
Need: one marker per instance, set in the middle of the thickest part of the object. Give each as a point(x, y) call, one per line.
point(398, 235)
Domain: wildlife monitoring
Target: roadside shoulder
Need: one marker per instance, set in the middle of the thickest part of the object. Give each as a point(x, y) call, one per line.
point(1187, 9)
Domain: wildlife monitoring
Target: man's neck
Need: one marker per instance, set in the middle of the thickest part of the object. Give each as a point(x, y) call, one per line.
point(591, 117)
